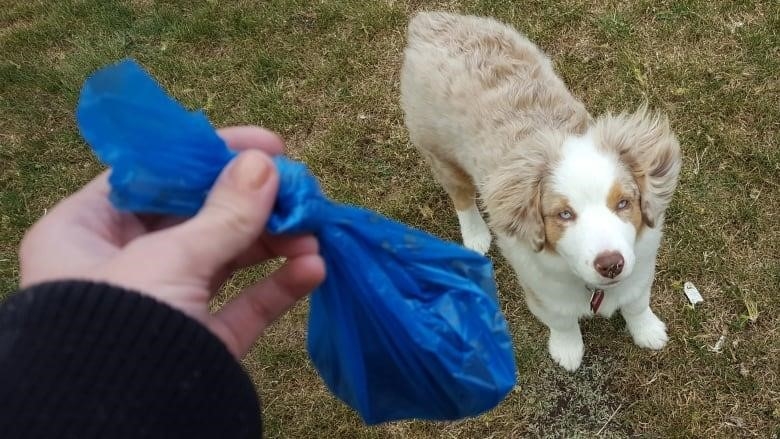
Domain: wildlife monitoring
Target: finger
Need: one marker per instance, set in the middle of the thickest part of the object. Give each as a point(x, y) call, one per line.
point(91, 206)
point(154, 222)
point(238, 138)
point(242, 138)
point(232, 218)
point(290, 245)
point(218, 280)
point(98, 187)
point(93, 193)
point(265, 248)
point(247, 316)
point(90, 211)
point(270, 246)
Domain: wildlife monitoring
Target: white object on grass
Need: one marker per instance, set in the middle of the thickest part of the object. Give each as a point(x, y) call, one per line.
point(692, 293)
point(719, 344)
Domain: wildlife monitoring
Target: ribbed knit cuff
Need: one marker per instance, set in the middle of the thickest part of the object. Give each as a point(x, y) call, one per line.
point(80, 359)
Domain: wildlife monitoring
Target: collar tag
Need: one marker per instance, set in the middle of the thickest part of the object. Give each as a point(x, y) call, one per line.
point(595, 300)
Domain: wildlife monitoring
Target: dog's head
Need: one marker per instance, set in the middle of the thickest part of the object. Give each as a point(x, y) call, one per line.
point(588, 198)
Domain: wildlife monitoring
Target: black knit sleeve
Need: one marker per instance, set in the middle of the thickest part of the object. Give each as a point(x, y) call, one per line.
point(83, 360)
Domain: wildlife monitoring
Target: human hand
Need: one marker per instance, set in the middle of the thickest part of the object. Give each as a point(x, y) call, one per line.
point(184, 262)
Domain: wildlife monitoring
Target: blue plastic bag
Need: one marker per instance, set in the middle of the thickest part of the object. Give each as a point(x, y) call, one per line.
point(405, 325)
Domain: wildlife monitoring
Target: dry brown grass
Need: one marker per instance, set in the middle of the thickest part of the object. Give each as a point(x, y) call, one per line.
point(325, 75)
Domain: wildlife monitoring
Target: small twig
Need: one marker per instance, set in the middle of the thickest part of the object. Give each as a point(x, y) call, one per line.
point(610, 419)
point(699, 158)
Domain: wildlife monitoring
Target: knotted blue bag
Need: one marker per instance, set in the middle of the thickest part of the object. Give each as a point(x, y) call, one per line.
point(405, 325)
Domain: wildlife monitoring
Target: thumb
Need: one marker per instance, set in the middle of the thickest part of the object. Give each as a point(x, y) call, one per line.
point(234, 214)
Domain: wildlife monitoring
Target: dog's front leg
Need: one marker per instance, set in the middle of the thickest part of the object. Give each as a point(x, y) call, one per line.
point(474, 230)
point(647, 330)
point(565, 343)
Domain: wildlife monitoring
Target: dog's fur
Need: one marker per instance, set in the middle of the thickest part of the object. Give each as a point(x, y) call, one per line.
point(562, 191)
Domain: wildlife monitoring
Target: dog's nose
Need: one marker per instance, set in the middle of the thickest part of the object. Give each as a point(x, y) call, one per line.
point(609, 264)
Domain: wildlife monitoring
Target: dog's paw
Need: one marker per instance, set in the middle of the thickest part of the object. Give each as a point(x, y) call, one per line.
point(566, 349)
point(478, 240)
point(648, 331)
point(475, 232)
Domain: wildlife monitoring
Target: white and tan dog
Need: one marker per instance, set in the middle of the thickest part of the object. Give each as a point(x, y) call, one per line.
point(577, 204)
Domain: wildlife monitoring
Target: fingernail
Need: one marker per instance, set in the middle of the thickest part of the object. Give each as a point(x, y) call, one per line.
point(250, 170)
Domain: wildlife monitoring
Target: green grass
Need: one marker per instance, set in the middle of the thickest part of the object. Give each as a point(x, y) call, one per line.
point(325, 75)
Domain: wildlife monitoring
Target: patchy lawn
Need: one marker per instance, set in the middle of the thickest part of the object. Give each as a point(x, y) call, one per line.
point(325, 75)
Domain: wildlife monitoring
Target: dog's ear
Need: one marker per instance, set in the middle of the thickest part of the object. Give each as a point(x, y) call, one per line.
point(645, 143)
point(512, 193)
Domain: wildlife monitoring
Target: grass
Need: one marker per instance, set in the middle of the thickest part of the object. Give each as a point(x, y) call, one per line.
point(325, 75)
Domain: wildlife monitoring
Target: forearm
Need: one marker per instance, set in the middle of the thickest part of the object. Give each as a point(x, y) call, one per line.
point(98, 361)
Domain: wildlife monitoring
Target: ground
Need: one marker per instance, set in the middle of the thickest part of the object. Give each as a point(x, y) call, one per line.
point(325, 75)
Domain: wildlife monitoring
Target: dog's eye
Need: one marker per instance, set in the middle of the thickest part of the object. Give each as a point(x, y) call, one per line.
point(622, 204)
point(566, 215)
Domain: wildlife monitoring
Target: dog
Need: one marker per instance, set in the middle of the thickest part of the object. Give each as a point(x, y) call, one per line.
point(576, 203)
